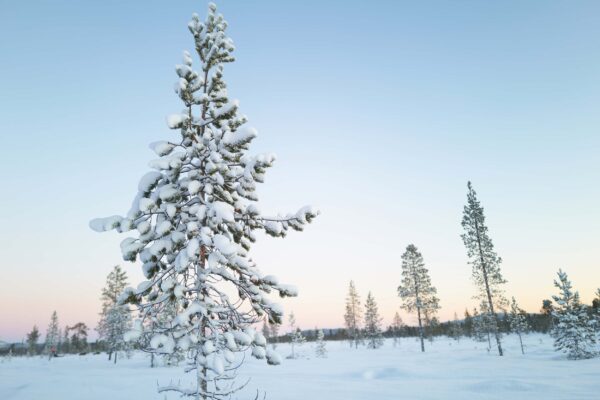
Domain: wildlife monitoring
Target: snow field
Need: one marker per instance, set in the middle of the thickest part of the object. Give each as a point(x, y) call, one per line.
point(448, 370)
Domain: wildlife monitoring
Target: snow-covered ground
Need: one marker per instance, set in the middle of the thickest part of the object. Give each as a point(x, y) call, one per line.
point(447, 371)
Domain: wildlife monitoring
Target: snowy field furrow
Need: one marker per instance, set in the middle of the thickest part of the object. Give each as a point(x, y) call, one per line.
point(448, 370)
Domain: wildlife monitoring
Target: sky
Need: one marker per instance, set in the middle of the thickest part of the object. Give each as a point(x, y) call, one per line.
point(379, 113)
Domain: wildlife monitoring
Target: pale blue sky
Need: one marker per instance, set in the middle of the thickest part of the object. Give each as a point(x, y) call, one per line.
point(379, 113)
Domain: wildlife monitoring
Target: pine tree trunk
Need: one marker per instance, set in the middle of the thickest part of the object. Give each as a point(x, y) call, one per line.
point(203, 372)
point(204, 383)
point(488, 292)
point(116, 357)
point(521, 341)
point(109, 355)
point(420, 329)
point(417, 300)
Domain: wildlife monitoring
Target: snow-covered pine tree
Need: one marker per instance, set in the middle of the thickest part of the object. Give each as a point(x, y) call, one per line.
point(518, 322)
point(456, 329)
point(115, 319)
point(483, 259)
point(52, 336)
point(296, 337)
point(116, 282)
point(397, 326)
point(574, 331)
point(32, 340)
point(117, 322)
point(320, 349)
point(353, 315)
point(416, 290)
point(372, 324)
point(196, 218)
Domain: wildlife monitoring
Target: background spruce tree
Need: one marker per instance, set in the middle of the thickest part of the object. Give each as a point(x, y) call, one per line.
point(65, 343)
point(488, 324)
point(78, 339)
point(115, 319)
point(574, 330)
point(32, 341)
point(296, 337)
point(320, 349)
point(416, 290)
point(547, 318)
point(117, 322)
point(456, 328)
point(193, 222)
point(480, 327)
point(484, 261)
point(518, 322)
point(468, 323)
point(52, 336)
point(432, 326)
point(397, 326)
point(353, 315)
point(373, 334)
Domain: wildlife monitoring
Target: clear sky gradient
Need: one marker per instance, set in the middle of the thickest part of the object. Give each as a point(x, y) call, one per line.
point(379, 113)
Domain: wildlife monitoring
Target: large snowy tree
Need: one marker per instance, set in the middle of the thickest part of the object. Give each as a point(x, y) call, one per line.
point(52, 336)
point(574, 330)
point(416, 290)
point(353, 315)
point(372, 323)
point(115, 319)
point(518, 322)
point(193, 221)
point(484, 260)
